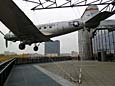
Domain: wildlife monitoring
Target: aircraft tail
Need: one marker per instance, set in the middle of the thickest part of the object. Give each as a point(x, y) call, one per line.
point(92, 16)
point(89, 13)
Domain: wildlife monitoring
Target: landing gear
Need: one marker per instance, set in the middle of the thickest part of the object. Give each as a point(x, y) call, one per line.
point(35, 48)
point(21, 46)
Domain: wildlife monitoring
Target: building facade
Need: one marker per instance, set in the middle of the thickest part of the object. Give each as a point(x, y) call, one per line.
point(99, 43)
point(104, 45)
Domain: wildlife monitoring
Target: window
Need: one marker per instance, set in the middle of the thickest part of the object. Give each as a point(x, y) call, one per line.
point(44, 27)
point(39, 27)
point(50, 26)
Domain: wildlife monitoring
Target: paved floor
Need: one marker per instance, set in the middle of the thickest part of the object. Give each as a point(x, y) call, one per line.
point(27, 75)
point(93, 73)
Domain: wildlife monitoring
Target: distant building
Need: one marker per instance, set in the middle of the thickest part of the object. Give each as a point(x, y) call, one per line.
point(35, 55)
point(9, 53)
point(65, 54)
point(52, 48)
point(74, 53)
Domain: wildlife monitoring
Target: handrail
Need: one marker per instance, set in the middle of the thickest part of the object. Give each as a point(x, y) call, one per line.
point(7, 66)
point(5, 69)
point(4, 63)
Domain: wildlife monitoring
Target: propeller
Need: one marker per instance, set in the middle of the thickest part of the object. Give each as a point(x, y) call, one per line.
point(6, 41)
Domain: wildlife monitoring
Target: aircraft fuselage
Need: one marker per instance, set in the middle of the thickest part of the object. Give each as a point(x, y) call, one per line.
point(60, 28)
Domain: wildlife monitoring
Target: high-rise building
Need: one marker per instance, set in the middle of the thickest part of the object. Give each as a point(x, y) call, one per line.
point(52, 48)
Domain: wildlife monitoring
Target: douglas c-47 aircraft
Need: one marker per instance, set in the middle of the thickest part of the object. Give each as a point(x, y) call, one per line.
point(22, 29)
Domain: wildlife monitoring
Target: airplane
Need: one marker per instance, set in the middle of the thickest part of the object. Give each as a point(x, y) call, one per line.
point(22, 28)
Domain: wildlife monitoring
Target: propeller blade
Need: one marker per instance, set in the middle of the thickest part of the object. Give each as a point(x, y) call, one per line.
point(6, 43)
point(2, 33)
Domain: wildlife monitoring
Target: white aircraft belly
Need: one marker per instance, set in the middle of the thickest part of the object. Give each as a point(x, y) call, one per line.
point(47, 33)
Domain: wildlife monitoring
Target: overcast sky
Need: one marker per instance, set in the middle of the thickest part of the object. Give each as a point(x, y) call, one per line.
point(68, 42)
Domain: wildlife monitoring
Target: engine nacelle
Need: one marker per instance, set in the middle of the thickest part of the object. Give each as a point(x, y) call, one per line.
point(10, 37)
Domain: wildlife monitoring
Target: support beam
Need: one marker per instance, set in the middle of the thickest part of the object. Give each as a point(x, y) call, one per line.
point(52, 4)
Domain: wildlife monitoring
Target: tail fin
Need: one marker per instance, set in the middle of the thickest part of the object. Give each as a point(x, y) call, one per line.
point(89, 13)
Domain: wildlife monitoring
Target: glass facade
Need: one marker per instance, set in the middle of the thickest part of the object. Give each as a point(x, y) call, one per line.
point(104, 44)
point(52, 48)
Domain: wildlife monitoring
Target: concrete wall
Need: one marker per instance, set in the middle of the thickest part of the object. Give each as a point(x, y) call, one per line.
point(84, 44)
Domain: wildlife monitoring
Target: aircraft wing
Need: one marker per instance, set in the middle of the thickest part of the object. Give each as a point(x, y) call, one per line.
point(99, 17)
point(19, 23)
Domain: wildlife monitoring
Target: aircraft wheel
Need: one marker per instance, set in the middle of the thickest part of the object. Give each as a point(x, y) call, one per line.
point(35, 48)
point(21, 46)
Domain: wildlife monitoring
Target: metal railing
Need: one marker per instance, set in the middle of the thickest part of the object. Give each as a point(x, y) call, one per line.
point(5, 69)
point(43, 59)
